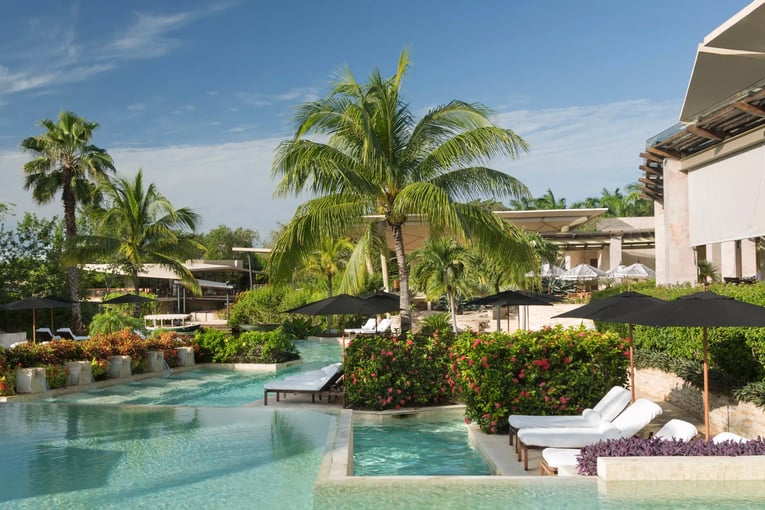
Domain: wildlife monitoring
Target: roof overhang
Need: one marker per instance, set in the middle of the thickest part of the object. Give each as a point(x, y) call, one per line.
point(417, 230)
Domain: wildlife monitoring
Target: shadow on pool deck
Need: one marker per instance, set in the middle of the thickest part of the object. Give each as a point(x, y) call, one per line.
point(495, 447)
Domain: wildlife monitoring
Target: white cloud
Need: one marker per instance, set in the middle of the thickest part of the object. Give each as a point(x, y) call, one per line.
point(146, 38)
point(137, 107)
point(575, 151)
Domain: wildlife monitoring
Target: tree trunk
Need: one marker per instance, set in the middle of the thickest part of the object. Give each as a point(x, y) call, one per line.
point(452, 308)
point(136, 305)
point(403, 278)
point(73, 273)
point(329, 288)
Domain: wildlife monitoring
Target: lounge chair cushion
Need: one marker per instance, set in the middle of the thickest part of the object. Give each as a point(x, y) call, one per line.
point(563, 460)
point(627, 424)
point(728, 436)
point(606, 409)
point(679, 430)
point(316, 380)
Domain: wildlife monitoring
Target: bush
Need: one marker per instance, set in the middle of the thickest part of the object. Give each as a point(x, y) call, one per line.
point(56, 376)
point(265, 305)
point(112, 322)
point(392, 373)
point(547, 372)
point(440, 322)
point(587, 461)
point(300, 327)
point(250, 347)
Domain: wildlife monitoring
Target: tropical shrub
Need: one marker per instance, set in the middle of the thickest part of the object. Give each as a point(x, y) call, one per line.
point(440, 322)
point(56, 376)
point(250, 347)
point(587, 461)
point(168, 342)
point(113, 321)
point(265, 305)
point(296, 327)
point(391, 373)
point(546, 372)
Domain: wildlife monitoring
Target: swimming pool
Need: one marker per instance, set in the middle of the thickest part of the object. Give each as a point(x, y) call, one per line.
point(208, 386)
point(415, 447)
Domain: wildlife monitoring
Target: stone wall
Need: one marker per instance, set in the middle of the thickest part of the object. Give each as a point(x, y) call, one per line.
point(725, 413)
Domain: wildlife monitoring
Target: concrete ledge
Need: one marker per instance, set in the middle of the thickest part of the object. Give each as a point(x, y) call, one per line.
point(622, 469)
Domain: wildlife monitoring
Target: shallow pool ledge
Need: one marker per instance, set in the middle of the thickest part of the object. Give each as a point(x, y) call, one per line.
point(338, 454)
point(622, 469)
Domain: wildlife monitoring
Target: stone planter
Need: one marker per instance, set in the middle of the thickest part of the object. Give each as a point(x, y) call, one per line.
point(623, 469)
point(185, 356)
point(31, 380)
point(80, 373)
point(119, 366)
point(155, 361)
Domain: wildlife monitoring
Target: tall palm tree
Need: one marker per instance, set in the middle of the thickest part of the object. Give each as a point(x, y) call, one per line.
point(138, 227)
point(548, 201)
point(65, 161)
point(377, 160)
point(441, 267)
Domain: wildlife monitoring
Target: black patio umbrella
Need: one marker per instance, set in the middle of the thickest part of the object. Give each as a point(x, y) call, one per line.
point(699, 310)
point(33, 303)
point(381, 302)
point(610, 308)
point(510, 298)
point(127, 299)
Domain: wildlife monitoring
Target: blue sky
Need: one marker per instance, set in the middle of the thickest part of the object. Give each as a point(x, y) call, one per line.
point(198, 93)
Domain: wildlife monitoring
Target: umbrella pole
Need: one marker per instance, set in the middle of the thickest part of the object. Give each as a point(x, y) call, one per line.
point(706, 387)
point(497, 312)
point(34, 328)
point(632, 363)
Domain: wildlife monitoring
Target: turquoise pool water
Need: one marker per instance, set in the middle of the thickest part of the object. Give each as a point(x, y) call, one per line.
point(207, 386)
point(415, 447)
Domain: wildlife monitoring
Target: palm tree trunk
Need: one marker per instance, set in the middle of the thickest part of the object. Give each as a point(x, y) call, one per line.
point(73, 273)
point(329, 288)
point(452, 309)
point(136, 305)
point(403, 278)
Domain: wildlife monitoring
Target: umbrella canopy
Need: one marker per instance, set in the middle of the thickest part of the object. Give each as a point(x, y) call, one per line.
point(127, 299)
point(610, 309)
point(636, 271)
point(510, 298)
point(33, 303)
point(341, 304)
point(381, 302)
point(583, 272)
point(699, 310)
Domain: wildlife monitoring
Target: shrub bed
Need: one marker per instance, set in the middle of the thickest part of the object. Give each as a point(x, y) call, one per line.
point(587, 460)
point(546, 372)
point(392, 373)
point(251, 347)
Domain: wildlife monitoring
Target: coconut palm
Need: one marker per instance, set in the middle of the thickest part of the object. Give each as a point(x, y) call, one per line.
point(66, 162)
point(441, 267)
point(372, 158)
point(138, 227)
point(329, 260)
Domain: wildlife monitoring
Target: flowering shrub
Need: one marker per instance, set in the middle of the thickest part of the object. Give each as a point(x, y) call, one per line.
point(56, 376)
point(7, 375)
point(546, 372)
point(98, 369)
point(391, 373)
point(168, 342)
point(587, 460)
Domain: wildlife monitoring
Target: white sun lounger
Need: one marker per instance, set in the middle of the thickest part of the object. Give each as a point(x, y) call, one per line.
point(627, 424)
point(313, 382)
point(563, 462)
point(369, 327)
point(69, 334)
point(606, 409)
point(47, 335)
point(728, 436)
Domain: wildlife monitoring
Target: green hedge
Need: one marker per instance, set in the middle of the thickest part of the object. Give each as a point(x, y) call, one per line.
point(546, 372)
point(220, 346)
point(392, 373)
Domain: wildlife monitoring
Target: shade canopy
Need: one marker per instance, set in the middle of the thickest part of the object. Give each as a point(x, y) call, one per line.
point(381, 302)
point(34, 303)
point(128, 299)
point(341, 304)
point(612, 308)
point(699, 310)
point(509, 298)
point(548, 271)
point(583, 272)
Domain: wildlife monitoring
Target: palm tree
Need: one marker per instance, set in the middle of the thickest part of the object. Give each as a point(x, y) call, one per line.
point(328, 261)
point(548, 201)
point(441, 267)
point(377, 160)
point(138, 227)
point(66, 161)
